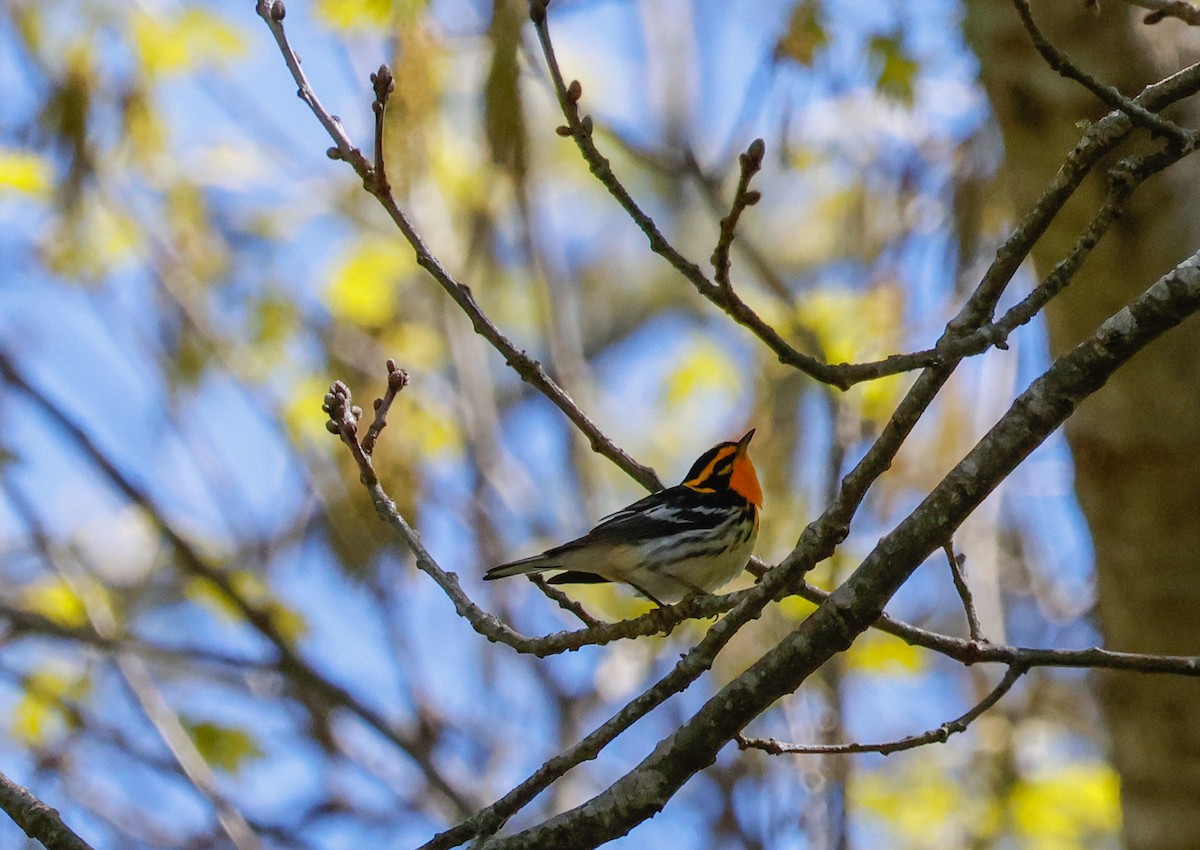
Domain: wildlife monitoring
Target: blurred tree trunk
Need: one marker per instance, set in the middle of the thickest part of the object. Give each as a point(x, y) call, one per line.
point(1136, 444)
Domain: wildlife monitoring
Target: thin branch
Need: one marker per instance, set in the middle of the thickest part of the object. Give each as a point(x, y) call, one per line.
point(934, 736)
point(565, 602)
point(529, 369)
point(1162, 9)
point(579, 127)
point(397, 380)
point(974, 314)
point(971, 652)
point(1061, 63)
point(964, 592)
point(384, 85)
point(344, 416)
point(1038, 412)
point(743, 197)
point(1101, 138)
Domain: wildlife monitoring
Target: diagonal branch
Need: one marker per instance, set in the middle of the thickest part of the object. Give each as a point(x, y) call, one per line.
point(343, 421)
point(38, 820)
point(974, 652)
point(1104, 136)
point(579, 127)
point(858, 602)
point(1111, 97)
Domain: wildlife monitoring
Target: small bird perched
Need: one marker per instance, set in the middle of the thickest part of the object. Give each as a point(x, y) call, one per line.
point(694, 537)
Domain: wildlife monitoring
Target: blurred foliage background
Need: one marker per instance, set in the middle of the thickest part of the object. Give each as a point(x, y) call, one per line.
point(184, 273)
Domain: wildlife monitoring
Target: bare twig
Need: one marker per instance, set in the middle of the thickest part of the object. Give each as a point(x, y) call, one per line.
point(529, 369)
point(397, 380)
point(1163, 9)
point(579, 127)
point(975, 652)
point(1061, 63)
point(934, 736)
point(343, 421)
point(565, 602)
point(964, 592)
point(743, 197)
point(973, 316)
point(384, 85)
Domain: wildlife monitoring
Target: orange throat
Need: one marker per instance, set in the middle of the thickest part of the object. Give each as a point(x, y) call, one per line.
point(744, 480)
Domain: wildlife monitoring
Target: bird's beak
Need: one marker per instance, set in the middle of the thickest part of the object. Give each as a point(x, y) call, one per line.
point(745, 441)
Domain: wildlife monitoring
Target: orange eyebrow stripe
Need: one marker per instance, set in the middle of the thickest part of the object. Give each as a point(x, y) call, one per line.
point(707, 472)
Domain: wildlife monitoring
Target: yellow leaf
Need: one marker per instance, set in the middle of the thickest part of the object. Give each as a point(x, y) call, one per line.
point(369, 15)
point(796, 608)
point(918, 805)
point(857, 326)
point(898, 74)
point(364, 287)
point(880, 653)
point(418, 346)
point(431, 428)
point(145, 130)
point(26, 172)
point(90, 241)
point(225, 747)
point(250, 587)
point(196, 37)
point(705, 367)
point(40, 713)
point(1069, 807)
point(302, 415)
point(54, 599)
point(805, 34)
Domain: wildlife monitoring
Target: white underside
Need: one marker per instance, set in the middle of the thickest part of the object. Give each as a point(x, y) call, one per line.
point(673, 581)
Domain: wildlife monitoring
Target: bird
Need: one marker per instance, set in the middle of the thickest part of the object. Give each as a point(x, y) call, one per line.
point(694, 537)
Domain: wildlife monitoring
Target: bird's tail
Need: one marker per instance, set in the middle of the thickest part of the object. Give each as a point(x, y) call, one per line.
point(536, 564)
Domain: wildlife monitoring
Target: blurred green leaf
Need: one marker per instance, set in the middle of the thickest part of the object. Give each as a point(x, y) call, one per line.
point(227, 748)
point(898, 75)
point(178, 43)
point(804, 36)
point(41, 714)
